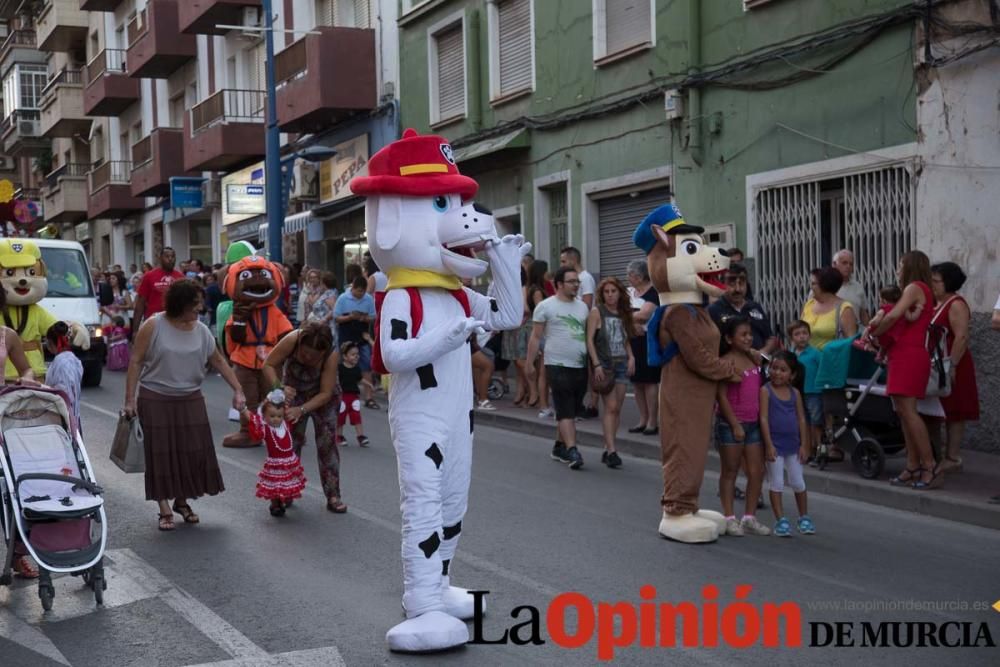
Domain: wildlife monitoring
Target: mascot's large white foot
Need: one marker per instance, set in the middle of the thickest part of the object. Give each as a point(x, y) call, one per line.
point(458, 602)
point(719, 519)
point(433, 631)
point(688, 528)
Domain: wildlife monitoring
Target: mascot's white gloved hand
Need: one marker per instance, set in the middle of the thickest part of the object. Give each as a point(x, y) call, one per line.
point(507, 298)
point(458, 333)
point(507, 251)
point(79, 335)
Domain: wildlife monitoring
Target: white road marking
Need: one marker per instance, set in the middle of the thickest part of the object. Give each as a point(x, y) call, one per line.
point(14, 629)
point(316, 657)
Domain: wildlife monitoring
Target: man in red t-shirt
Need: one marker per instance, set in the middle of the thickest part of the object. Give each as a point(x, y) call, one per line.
point(152, 289)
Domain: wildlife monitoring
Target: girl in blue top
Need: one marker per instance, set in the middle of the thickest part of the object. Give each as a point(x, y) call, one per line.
point(786, 435)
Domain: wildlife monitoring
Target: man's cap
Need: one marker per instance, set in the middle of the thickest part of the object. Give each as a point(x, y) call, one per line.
point(668, 217)
point(417, 166)
point(18, 253)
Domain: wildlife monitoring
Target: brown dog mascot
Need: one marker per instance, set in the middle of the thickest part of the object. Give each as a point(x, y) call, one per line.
point(683, 340)
point(256, 326)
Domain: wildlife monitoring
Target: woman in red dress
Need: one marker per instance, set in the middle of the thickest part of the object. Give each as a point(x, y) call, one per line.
point(910, 368)
point(962, 405)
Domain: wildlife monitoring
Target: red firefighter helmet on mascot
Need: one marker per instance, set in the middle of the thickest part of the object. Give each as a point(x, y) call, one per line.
point(416, 165)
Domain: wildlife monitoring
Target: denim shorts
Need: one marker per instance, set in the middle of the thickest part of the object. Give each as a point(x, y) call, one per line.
point(620, 369)
point(724, 433)
point(814, 409)
point(365, 361)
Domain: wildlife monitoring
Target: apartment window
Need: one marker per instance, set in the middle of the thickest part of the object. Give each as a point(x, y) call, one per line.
point(622, 26)
point(22, 87)
point(344, 13)
point(447, 70)
point(511, 48)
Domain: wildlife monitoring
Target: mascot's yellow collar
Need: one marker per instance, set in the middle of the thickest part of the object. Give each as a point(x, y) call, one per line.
point(401, 277)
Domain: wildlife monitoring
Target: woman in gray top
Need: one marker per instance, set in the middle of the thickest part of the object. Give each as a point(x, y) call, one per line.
point(172, 351)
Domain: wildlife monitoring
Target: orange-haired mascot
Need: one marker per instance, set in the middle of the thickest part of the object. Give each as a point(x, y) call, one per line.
point(255, 327)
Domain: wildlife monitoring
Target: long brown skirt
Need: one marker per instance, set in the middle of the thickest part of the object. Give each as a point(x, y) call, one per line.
point(180, 453)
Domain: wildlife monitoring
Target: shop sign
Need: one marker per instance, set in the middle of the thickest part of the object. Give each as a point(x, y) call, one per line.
point(336, 173)
point(83, 231)
point(186, 192)
point(243, 194)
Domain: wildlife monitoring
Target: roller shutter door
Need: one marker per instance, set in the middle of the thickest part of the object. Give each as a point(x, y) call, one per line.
point(617, 219)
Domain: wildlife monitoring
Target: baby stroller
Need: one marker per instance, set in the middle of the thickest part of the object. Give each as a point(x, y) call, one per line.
point(864, 419)
point(51, 506)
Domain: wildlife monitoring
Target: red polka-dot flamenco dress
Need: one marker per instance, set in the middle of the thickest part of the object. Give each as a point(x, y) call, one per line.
point(282, 477)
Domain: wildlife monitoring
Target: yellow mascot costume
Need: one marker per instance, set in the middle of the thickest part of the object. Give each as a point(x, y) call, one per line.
point(22, 273)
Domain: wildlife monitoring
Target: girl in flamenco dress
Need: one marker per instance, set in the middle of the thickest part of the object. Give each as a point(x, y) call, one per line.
point(118, 354)
point(282, 479)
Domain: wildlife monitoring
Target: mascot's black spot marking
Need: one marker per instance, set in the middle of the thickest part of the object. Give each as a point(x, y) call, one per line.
point(426, 375)
point(430, 545)
point(471, 413)
point(493, 305)
point(399, 331)
point(434, 454)
point(444, 567)
point(452, 531)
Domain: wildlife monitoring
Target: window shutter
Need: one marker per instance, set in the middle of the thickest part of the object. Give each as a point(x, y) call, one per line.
point(627, 23)
point(325, 12)
point(450, 72)
point(514, 19)
point(362, 14)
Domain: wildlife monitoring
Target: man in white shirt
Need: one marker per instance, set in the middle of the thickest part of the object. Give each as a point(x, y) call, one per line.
point(570, 256)
point(851, 291)
point(561, 320)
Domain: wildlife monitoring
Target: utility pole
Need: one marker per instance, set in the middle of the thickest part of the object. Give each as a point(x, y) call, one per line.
point(272, 146)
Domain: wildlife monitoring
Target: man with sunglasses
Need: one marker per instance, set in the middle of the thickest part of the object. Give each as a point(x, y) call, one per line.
point(734, 303)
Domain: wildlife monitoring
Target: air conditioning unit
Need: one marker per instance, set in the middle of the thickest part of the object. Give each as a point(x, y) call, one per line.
point(251, 23)
point(305, 182)
point(7, 163)
point(212, 192)
point(27, 128)
point(673, 104)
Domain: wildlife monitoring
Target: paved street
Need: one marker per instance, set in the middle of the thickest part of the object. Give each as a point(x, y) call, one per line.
point(315, 588)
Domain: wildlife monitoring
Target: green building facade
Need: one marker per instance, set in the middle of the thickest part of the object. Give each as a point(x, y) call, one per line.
point(579, 116)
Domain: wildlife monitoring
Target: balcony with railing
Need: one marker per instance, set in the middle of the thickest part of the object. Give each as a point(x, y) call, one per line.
point(20, 46)
point(110, 90)
point(224, 131)
point(323, 78)
point(62, 105)
point(199, 17)
point(61, 26)
point(156, 47)
point(64, 195)
point(22, 135)
point(100, 5)
point(155, 159)
point(8, 8)
point(111, 191)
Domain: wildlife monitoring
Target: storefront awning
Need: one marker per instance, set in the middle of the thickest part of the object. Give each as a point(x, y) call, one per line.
point(517, 139)
point(298, 222)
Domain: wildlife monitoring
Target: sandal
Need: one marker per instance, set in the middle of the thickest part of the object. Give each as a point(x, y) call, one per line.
point(336, 506)
point(935, 482)
point(24, 569)
point(186, 513)
point(166, 522)
point(371, 404)
point(911, 473)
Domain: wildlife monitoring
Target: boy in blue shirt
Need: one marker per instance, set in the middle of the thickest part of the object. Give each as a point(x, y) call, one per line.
point(800, 333)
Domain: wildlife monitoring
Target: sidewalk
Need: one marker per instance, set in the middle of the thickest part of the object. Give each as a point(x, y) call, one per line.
point(963, 497)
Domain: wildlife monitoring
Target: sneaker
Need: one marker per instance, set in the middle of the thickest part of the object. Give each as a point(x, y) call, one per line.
point(575, 459)
point(752, 526)
point(485, 405)
point(612, 460)
point(733, 527)
point(547, 413)
point(341, 441)
point(559, 453)
point(806, 526)
point(363, 440)
point(783, 528)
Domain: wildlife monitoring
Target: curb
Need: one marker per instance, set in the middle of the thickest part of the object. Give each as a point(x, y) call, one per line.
point(876, 492)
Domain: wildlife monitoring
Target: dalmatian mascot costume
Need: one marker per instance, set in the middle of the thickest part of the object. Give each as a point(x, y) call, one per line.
point(424, 233)
point(684, 341)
